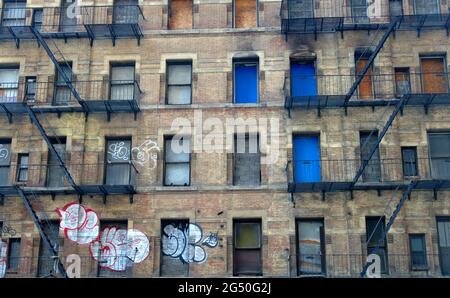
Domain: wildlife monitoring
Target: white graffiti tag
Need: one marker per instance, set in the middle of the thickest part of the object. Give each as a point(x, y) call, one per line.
point(119, 151)
point(185, 243)
point(80, 225)
point(118, 248)
point(3, 248)
point(143, 153)
point(4, 152)
point(212, 240)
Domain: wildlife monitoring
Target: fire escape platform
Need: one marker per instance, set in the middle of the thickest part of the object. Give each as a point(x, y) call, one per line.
point(101, 189)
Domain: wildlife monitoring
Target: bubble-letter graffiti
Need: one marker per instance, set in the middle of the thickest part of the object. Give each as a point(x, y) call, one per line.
point(374, 269)
point(118, 151)
point(145, 153)
point(80, 225)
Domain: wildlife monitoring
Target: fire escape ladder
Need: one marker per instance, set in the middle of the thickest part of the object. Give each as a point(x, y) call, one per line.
point(369, 63)
point(374, 148)
point(44, 134)
point(392, 219)
point(44, 237)
point(58, 58)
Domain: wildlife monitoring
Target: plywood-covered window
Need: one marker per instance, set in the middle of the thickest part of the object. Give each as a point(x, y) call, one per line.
point(247, 240)
point(177, 160)
point(180, 14)
point(245, 13)
point(434, 77)
point(247, 160)
point(365, 88)
point(5, 161)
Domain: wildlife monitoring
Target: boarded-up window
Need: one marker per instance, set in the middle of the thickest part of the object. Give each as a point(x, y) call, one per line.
point(439, 147)
point(122, 82)
point(434, 78)
point(247, 257)
point(402, 82)
point(375, 230)
point(301, 8)
point(246, 81)
point(108, 258)
point(426, 7)
point(245, 13)
point(5, 161)
point(46, 262)
point(13, 13)
point(310, 247)
point(180, 14)
point(365, 88)
point(372, 172)
point(174, 248)
point(55, 174)
point(9, 83)
point(177, 161)
point(443, 225)
point(14, 254)
point(118, 167)
point(179, 82)
point(62, 93)
point(247, 160)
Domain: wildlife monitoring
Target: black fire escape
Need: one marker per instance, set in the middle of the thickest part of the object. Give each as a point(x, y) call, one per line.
point(91, 22)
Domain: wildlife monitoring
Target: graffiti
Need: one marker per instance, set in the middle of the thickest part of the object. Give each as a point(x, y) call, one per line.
point(142, 154)
point(212, 240)
point(118, 248)
point(3, 248)
point(7, 229)
point(119, 151)
point(4, 152)
point(80, 225)
point(185, 243)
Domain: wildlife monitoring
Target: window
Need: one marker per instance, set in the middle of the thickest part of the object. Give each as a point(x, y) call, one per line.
point(9, 83)
point(118, 161)
point(245, 81)
point(179, 83)
point(372, 172)
point(67, 23)
point(180, 14)
point(409, 161)
point(443, 228)
point(439, 151)
point(375, 229)
point(418, 252)
point(22, 168)
point(13, 254)
point(245, 13)
point(402, 82)
point(247, 247)
point(62, 93)
point(55, 175)
point(426, 7)
point(122, 82)
point(247, 160)
point(359, 11)
point(46, 260)
point(14, 13)
point(395, 7)
point(37, 18)
point(307, 161)
point(107, 258)
point(310, 247)
point(303, 79)
point(30, 88)
point(5, 161)
point(126, 12)
point(434, 76)
point(301, 8)
point(173, 235)
point(366, 87)
point(177, 161)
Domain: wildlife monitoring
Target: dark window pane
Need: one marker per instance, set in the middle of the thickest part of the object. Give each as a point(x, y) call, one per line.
point(372, 172)
point(46, 263)
point(55, 174)
point(409, 156)
point(247, 262)
point(247, 160)
point(439, 147)
point(426, 6)
point(248, 235)
point(23, 168)
point(444, 244)
point(14, 254)
point(301, 8)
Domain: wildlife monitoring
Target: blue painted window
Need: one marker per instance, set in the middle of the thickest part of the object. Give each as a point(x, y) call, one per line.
point(303, 80)
point(306, 159)
point(246, 82)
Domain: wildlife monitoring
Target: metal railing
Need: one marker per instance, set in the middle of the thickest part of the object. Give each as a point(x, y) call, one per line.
point(58, 93)
point(51, 175)
point(394, 265)
point(71, 19)
point(383, 170)
point(373, 86)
